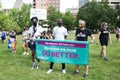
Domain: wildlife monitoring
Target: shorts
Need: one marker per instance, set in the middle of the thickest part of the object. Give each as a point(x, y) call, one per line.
point(25, 40)
point(104, 42)
point(117, 35)
point(32, 45)
point(3, 38)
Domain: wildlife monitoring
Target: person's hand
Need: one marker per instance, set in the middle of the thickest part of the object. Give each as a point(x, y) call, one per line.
point(91, 42)
point(97, 42)
point(110, 42)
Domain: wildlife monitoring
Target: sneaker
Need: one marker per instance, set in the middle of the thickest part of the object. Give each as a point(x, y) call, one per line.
point(63, 71)
point(27, 53)
point(24, 53)
point(106, 59)
point(85, 75)
point(37, 67)
point(33, 65)
point(49, 71)
point(75, 72)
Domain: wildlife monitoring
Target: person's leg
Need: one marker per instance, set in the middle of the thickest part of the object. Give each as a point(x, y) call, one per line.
point(77, 69)
point(38, 63)
point(104, 53)
point(104, 50)
point(86, 71)
point(33, 59)
point(51, 67)
point(23, 46)
point(63, 68)
point(26, 48)
point(2, 40)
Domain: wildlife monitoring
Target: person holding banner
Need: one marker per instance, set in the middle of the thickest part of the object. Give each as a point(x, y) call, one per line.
point(59, 33)
point(82, 34)
point(34, 33)
point(103, 37)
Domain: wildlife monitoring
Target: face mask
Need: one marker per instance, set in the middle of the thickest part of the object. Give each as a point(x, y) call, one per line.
point(59, 24)
point(34, 22)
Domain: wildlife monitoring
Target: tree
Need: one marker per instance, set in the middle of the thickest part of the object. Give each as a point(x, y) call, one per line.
point(21, 17)
point(7, 24)
point(95, 13)
point(118, 15)
point(52, 16)
point(68, 20)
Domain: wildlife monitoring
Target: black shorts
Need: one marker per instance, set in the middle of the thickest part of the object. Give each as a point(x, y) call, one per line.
point(104, 42)
point(117, 35)
point(3, 38)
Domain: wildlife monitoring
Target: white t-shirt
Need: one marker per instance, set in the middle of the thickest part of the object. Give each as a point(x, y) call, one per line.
point(25, 34)
point(60, 33)
point(37, 33)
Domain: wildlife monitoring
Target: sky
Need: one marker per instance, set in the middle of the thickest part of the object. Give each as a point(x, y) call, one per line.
point(63, 4)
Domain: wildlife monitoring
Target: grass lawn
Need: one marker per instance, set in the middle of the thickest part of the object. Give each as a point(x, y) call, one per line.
point(18, 67)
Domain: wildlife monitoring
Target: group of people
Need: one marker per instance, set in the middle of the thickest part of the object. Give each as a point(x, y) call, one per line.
point(60, 33)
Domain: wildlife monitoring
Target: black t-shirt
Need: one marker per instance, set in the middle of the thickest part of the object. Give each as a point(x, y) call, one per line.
point(12, 35)
point(82, 35)
point(104, 33)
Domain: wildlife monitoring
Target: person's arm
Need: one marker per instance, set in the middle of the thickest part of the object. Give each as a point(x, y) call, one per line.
point(92, 38)
point(98, 37)
point(65, 36)
point(110, 38)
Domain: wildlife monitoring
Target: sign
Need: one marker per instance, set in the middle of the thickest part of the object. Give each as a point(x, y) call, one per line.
point(71, 52)
point(41, 14)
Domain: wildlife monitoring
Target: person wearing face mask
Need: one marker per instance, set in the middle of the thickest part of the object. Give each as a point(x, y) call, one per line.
point(59, 33)
point(82, 34)
point(104, 36)
point(34, 33)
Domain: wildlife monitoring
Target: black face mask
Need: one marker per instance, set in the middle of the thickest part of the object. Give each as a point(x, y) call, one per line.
point(34, 22)
point(59, 24)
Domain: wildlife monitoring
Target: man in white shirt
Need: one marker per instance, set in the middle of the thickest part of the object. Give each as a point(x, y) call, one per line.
point(34, 33)
point(59, 33)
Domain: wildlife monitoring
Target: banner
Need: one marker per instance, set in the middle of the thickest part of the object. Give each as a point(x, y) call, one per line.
point(41, 14)
point(71, 52)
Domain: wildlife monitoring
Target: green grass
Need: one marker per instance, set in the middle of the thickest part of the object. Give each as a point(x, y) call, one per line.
point(17, 67)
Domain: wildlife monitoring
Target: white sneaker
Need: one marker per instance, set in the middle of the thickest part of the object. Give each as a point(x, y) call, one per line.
point(24, 53)
point(27, 53)
point(37, 67)
point(33, 65)
point(63, 71)
point(49, 71)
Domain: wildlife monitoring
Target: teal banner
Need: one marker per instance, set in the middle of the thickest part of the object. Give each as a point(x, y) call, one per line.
point(65, 51)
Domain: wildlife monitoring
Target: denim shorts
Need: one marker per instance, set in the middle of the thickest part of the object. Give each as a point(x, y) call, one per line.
point(32, 45)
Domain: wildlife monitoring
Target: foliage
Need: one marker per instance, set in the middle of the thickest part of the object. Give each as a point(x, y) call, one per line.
point(7, 24)
point(52, 16)
point(22, 16)
point(68, 21)
point(118, 15)
point(95, 13)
